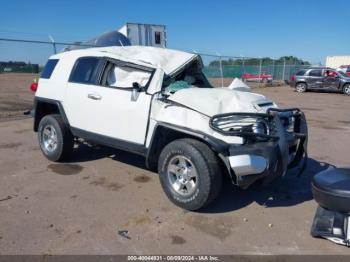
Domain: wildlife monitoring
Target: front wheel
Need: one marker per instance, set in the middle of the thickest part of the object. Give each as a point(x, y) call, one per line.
point(346, 89)
point(301, 87)
point(189, 173)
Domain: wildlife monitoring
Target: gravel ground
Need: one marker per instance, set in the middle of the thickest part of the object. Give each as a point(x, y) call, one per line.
point(104, 201)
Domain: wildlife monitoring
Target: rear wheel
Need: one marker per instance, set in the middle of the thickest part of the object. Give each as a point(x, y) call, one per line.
point(189, 173)
point(301, 87)
point(346, 89)
point(55, 139)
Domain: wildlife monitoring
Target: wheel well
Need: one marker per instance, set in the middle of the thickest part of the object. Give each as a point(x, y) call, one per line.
point(164, 135)
point(345, 84)
point(303, 82)
point(42, 109)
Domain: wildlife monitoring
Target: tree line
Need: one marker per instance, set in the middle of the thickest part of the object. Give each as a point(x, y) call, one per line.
point(289, 60)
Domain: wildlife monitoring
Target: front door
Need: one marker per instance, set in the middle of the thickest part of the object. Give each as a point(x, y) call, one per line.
point(108, 108)
point(331, 79)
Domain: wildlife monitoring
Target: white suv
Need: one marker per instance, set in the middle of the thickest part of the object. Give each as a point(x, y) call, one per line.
point(157, 103)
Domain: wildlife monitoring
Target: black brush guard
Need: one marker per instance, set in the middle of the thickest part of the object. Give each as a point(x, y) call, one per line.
point(296, 135)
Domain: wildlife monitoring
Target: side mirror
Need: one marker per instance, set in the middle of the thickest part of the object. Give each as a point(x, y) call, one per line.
point(136, 86)
point(136, 89)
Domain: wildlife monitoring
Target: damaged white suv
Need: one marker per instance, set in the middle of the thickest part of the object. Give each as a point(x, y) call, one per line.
point(157, 103)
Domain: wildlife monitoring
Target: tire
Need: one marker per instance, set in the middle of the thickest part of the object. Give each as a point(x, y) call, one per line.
point(55, 139)
point(189, 173)
point(346, 89)
point(301, 87)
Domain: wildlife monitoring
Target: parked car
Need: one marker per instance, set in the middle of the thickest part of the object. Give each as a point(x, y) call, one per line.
point(345, 69)
point(264, 77)
point(321, 78)
point(157, 103)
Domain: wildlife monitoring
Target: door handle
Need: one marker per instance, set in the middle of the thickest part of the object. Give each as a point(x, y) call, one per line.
point(94, 96)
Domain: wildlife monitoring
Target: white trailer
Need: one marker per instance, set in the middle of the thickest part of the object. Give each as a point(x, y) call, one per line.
point(145, 34)
point(337, 61)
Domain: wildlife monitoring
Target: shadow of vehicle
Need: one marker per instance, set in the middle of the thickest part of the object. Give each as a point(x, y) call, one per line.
point(287, 191)
point(86, 152)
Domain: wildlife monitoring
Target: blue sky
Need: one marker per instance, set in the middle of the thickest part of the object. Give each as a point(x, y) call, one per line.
point(309, 29)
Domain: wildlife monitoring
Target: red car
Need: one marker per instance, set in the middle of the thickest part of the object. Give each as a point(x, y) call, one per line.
point(264, 77)
point(345, 69)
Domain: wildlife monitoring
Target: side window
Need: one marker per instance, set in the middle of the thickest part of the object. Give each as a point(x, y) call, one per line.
point(315, 72)
point(49, 67)
point(122, 76)
point(348, 69)
point(301, 72)
point(84, 70)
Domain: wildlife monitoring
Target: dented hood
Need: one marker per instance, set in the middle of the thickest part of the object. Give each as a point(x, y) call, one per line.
point(213, 101)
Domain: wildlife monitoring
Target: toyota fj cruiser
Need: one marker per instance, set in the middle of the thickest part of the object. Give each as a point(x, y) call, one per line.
point(157, 103)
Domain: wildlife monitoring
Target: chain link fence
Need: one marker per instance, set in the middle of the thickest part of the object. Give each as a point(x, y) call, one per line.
point(220, 70)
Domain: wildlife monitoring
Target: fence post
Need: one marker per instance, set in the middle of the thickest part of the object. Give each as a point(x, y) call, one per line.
point(243, 65)
point(221, 72)
point(260, 69)
point(53, 44)
point(273, 68)
point(284, 68)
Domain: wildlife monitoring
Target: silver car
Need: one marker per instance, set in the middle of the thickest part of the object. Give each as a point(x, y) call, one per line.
point(320, 78)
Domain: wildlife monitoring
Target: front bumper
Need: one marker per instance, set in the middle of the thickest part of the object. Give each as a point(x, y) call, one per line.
point(271, 156)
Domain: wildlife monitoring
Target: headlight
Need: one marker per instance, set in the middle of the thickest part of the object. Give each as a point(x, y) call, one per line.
point(234, 124)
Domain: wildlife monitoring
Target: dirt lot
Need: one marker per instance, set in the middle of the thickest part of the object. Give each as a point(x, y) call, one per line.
point(79, 207)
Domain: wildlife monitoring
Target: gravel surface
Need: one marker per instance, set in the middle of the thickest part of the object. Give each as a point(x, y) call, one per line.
point(104, 201)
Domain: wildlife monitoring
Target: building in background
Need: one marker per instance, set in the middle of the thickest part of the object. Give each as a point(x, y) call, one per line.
point(337, 61)
point(145, 34)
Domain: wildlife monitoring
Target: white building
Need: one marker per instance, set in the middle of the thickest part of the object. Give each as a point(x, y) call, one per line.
point(145, 34)
point(337, 61)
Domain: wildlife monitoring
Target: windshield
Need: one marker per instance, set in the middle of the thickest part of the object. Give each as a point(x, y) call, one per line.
point(190, 76)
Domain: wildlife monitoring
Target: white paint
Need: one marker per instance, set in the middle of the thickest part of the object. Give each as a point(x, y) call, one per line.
point(213, 101)
point(238, 85)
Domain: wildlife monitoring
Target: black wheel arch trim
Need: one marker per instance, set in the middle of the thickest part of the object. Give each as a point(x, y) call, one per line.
point(215, 144)
point(37, 112)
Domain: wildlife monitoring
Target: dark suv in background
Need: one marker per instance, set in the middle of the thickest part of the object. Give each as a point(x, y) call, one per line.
point(321, 78)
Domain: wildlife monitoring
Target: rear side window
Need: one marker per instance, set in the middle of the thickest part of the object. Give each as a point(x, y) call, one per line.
point(348, 69)
point(316, 72)
point(301, 72)
point(85, 70)
point(48, 69)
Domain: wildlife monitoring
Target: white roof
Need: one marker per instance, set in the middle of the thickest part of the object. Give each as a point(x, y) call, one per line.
point(168, 59)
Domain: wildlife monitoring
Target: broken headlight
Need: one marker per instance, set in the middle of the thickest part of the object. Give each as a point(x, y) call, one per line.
point(242, 124)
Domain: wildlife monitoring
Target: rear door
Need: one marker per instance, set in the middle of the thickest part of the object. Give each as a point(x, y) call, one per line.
point(315, 78)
